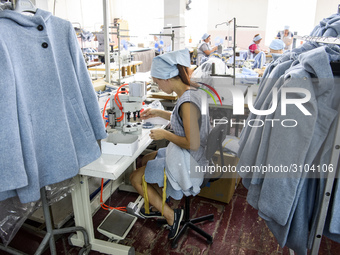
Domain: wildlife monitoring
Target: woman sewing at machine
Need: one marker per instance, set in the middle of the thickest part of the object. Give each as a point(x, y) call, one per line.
point(190, 123)
point(255, 52)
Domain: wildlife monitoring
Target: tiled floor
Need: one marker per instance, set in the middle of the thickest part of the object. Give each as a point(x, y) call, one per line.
point(237, 230)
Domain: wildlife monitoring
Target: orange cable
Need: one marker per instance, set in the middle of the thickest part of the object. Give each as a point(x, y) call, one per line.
point(106, 207)
point(105, 109)
point(119, 103)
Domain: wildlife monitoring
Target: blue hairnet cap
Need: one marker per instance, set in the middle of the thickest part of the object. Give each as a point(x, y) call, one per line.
point(277, 44)
point(256, 38)
point(165, 66)
point(205, 36)
point(286, 27)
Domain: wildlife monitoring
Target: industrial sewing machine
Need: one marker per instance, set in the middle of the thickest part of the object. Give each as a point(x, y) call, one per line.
point(124, 57)
point(125, 106)
point(123, 122)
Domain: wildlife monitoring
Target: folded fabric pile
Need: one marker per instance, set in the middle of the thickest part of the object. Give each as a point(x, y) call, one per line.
point(247, 76)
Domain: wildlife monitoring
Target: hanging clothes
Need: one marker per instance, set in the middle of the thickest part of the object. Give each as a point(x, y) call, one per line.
point(50, 119)
point(287, 201)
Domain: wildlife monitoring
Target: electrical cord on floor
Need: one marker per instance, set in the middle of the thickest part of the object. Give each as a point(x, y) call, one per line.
point(106, 207)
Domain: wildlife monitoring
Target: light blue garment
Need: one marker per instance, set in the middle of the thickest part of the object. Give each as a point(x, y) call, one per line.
point(295, 234)
point(165, 66)
point(248, 76)
point(248, 71)
point(187, 180)
point(50, 116)
point(205, 36)
point(281, 202)
point(154, 171)
point(328, 27)
point(256, 38)
point(259, 60)
point(277, 44)
point(181, 175)
point(252, 136)
point(293, 215)
point(332, 225)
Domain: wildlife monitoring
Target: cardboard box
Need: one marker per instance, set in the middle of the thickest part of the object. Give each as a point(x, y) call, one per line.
point(223, 189)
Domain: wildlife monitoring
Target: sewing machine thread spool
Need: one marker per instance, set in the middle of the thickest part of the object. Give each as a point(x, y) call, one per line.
point(123, 71)
point(134, 69)
point(128, 68)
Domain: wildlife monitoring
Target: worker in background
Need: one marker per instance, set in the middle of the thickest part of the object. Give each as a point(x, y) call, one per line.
point(254, 47)
point(286, 36)
point(204, 49)
point(255, 52)
point(168, 168)
point(277, 46)
point(101, 46)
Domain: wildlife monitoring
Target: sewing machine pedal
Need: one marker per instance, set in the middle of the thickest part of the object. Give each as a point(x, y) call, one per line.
point(117, 225)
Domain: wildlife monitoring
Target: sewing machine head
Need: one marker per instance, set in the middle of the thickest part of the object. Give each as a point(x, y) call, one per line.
point(125, 107)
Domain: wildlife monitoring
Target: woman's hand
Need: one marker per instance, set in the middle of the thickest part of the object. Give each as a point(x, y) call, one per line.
point(149, 113)
point(157, 134)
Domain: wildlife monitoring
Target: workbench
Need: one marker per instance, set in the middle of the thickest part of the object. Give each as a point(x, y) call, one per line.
point(111, 167)
point(126, 69)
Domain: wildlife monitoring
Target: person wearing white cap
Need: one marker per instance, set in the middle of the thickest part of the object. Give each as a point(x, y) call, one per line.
point(166, 172)
point(286, 36)
point(204, 49)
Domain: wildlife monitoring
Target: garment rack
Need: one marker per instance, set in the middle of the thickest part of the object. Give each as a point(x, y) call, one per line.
point(50, 233)
point(27, 6)
point(319, 39)
point(321, 217)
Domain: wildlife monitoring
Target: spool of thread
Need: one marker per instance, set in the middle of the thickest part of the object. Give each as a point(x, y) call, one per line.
point(123, 71)
point(128, 68)
point(134, 69)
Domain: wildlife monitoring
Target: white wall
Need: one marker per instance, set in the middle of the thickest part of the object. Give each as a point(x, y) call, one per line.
point(88, 13)
point(174, 16)
point(224, 10)
point(324, 9)
point(144, 17)
point(147, 16)
point(196, 21)
point(299, 15)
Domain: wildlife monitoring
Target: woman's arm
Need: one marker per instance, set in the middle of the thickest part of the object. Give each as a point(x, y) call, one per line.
point(257, 51)
point(151, 113)
point(208, 52)
point(190, 115)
